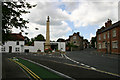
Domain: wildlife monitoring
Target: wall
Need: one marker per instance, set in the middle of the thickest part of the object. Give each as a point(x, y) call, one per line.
point(37, 45)
point(13, 44)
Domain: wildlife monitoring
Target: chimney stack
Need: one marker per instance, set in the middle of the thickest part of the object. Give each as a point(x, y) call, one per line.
point(108, 23)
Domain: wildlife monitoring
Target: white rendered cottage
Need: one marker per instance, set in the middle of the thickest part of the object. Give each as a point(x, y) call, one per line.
point(16, 44)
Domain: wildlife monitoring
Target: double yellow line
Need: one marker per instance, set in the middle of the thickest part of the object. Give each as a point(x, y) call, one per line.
point(27, 69)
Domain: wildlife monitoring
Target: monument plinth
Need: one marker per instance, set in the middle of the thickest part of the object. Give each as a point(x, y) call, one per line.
point(47, 42)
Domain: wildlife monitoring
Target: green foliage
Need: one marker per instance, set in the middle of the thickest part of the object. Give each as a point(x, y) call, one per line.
point(93, 40)
point(40, 37)
point(12, 16)
point(48, 50)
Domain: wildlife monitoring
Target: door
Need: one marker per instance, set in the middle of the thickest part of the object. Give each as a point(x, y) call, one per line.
point(108, 48)
point(10, 49)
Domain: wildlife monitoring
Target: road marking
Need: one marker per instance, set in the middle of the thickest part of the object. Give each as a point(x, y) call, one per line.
point(25, 73)
point(61, 74)
point(90, 68)
point(28, 70)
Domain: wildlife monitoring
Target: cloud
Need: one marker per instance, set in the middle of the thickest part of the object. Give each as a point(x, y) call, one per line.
point(39, 14)
point(56, 31)
point(90, 13)
point(91, 35)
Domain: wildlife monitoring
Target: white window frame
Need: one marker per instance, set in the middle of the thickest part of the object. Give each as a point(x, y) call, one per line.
point(103, 45)
point(17, 49)
point(104, 37)
point(99, 37)
point(108, 34)
point(114, 44)
point(99, 46)
point(114, 33)
point(3, 49)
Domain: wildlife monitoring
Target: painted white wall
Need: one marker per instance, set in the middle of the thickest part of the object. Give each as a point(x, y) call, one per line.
point(13, 44)
point(0, 48)
point(37, 45)
point(61, 46)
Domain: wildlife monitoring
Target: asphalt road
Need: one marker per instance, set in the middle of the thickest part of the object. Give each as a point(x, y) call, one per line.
point(59, 63)
point(11, 71)
point(105, 62)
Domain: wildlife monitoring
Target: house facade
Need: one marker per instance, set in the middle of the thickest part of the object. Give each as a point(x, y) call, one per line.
point(16, 44)
point(75, 40)
point(108, 38)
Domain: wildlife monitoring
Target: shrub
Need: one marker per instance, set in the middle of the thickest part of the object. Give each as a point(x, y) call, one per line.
point(48, 50)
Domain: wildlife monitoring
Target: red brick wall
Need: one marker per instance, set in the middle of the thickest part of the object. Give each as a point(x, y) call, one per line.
point(110, 39)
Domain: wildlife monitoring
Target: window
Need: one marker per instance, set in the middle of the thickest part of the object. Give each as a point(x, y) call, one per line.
point(103, 45)
point(74, 37)
point(104, 36)
point(3, 49)
point(99, 45)
point(99, 37)
point(115, 44)
point(17, 43)
point(17, 49)
point(114, 33)
point(108, 35)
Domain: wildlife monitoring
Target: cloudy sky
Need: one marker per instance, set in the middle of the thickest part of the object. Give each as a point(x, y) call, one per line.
point(69, 16)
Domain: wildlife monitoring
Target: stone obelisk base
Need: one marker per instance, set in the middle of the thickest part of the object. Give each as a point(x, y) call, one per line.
point(47, 46)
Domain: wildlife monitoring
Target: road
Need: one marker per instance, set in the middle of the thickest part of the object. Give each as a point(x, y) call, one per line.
point(69, 64)
point(11, 71)
point(105, 62)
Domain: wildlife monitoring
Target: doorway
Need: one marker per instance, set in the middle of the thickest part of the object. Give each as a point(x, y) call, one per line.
point(10, 49)
point(108, 48)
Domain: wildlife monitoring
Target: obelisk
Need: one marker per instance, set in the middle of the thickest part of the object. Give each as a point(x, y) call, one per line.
point(47, 43)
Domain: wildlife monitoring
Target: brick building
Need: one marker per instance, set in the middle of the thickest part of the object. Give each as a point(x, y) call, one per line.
point(76, 40)
point(108, 38)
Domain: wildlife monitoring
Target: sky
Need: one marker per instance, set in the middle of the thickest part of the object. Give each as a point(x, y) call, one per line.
point(69, 16)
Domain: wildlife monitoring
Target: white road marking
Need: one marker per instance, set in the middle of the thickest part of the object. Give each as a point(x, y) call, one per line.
point(93, 68)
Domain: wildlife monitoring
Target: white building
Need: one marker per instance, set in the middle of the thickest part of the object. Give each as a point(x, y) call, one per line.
point(16, 45)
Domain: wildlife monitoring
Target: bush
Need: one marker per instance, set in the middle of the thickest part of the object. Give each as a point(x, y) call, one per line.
point(48, 50)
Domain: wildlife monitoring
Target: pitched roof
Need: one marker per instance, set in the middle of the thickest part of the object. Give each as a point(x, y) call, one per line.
point(108, 28)
point(16, 37)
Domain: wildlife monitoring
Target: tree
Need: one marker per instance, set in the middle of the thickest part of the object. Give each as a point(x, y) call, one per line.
point(93, 40)
point(12, 16)
point(40, 37)
point(27, 40)
point(61, 40)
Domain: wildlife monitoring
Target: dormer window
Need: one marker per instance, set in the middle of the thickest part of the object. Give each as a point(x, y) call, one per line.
point(17, 43)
